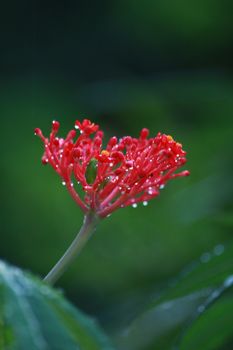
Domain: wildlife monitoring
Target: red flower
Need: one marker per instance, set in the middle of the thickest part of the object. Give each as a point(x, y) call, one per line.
point(128, 171)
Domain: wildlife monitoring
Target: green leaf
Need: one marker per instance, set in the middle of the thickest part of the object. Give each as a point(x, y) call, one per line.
point(158, 321)
point(210, 271)
point(178, 307)
point(213, 330)
point(36, 317)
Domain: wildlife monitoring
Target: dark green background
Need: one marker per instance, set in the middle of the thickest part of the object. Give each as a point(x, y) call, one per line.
point(166, 65)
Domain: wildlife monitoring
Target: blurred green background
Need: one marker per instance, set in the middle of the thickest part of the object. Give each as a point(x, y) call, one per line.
point(125, 65)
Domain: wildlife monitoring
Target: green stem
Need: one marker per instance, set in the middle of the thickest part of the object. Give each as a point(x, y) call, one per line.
point(74, 249)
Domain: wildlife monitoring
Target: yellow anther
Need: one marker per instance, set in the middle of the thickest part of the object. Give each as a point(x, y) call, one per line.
point(105, 152)
point(170, 138)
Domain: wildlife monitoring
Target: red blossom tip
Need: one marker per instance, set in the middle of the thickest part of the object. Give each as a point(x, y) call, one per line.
point(55, 126)
point(44, 160)
point(37, 131)
point(127, 140)
point(144, 133)
point(71, 135)
point(86, 127)
point(98, 141)
point(185, 173)
point(77, 152)
point(112, 142)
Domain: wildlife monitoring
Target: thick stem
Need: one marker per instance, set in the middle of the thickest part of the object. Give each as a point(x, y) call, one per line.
point(74, 249)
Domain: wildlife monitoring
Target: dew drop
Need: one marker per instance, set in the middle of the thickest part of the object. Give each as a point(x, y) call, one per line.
point(114, 179)
point(201, 308)
point(150, 190)
point(218, 249)
point(215, 294)
point(228, 281)
point(111, 164)
point(56, 166)
point(63, 183)
point(145, 203)
point(72, 185)
point(134, 205)
point(205, 257)
point(161, 187)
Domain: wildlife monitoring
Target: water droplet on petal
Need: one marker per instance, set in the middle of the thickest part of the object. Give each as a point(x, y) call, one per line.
point(134, 205)
point(161, 187)
point(63, 183)
point(150, 190)
point(145, 203)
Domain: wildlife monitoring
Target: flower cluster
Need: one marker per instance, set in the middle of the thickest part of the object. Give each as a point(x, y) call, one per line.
point(125, 172)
